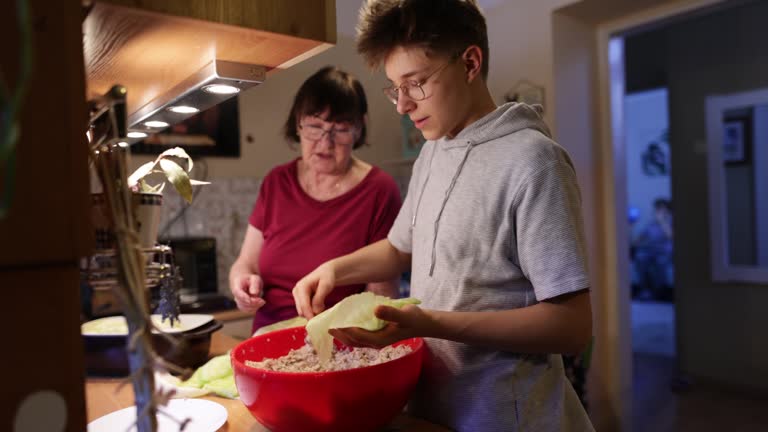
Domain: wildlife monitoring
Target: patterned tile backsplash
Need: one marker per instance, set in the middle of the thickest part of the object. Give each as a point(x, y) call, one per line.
point(221, 210)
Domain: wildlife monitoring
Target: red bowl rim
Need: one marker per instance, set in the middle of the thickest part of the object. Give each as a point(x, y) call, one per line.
point(419, 346)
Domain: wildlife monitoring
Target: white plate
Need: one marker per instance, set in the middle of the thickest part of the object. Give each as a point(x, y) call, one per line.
point(205, 415)
point(117, 326)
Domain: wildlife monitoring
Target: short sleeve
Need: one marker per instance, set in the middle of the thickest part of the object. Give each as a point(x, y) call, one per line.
point(258, 215)
point(550, 234)
point(387, 208)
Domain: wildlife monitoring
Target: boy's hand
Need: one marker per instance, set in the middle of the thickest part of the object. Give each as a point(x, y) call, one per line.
point(310, 292)
point(410, 321)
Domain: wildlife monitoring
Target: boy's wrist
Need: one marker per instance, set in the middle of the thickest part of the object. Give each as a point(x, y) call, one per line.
point(434, 324)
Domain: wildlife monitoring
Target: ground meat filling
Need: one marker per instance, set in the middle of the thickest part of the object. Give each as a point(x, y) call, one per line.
point(305, 359)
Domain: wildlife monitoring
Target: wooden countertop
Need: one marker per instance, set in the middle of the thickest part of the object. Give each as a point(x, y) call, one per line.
point(104, 395)
point(231, 315)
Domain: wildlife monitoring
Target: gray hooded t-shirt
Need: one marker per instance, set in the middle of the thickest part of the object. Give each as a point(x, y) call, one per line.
point(493, 221)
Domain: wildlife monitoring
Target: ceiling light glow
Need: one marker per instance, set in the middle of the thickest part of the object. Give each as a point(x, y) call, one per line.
point(183, 109)
point(156, 124)
point(221, 89)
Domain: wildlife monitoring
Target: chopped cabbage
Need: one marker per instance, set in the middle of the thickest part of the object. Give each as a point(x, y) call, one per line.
point(353, 311)
point(165, 381)
point(223, 387)
point(215, 376)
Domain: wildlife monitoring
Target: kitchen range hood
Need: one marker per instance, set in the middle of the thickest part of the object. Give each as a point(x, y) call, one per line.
point(170, 55)
point(215, 82)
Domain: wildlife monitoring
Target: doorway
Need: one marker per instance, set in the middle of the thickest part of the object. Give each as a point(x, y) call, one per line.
point(650, 218)
point(650, 203)
point(664, 86)
point(710, 342)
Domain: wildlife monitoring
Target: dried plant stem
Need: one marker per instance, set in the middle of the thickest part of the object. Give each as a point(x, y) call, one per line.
point(131, 289)
point(143, 380)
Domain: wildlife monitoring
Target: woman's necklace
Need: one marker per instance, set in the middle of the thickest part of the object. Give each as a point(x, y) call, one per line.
point(328, 192)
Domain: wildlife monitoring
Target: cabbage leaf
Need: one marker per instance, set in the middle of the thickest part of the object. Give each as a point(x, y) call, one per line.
point(298, 321)
point(215, 376)
point(353, 311)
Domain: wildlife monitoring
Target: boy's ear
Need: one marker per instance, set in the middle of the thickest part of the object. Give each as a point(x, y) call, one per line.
point(473, 62)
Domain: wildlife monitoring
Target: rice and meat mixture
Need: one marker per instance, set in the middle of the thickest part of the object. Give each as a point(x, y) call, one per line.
point(305, 359)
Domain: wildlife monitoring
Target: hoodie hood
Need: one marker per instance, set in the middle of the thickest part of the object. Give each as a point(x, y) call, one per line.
point(504, 120)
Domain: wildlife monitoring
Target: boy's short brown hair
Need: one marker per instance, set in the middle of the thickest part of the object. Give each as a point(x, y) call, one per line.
point(444, 27)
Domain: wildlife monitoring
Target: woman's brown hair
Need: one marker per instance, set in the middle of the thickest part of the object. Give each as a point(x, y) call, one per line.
point(334, 90)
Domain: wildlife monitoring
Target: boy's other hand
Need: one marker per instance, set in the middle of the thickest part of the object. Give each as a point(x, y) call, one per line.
point(410, 321)
point(310, 292)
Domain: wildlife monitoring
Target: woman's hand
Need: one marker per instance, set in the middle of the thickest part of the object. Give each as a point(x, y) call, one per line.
point(247, 290)
point(310, 292)
point(410, 321)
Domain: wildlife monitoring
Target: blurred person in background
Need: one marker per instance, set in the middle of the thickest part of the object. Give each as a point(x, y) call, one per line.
point(652, 254)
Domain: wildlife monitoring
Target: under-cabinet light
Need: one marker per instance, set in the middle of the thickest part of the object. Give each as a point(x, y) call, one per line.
point(221, 89)
point(213, 84)
point(183, 109)
point(156, 124)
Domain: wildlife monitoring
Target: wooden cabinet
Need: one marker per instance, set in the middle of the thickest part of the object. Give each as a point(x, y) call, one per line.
point(43, 355)
point(149, 46)
point(48, 219)
point(47, 227)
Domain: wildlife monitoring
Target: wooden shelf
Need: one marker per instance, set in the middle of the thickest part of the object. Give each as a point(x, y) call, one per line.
point(150, 46)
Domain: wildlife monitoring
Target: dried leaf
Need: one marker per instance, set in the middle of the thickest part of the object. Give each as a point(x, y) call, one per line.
point(140, 173)
point(179, 153)
point(178, 177)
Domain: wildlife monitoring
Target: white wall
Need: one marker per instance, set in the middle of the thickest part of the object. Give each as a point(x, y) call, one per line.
point(520, 40)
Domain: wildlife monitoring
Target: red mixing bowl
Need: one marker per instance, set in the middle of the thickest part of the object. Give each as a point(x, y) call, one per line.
point(355, 400)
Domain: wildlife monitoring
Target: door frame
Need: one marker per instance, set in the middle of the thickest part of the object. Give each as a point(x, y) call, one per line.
point(583, 72)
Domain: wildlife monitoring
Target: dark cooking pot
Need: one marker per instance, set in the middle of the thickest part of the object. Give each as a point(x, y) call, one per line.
point(107, 356)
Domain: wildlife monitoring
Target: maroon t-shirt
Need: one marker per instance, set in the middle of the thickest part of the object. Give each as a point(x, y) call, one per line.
point(300, 233)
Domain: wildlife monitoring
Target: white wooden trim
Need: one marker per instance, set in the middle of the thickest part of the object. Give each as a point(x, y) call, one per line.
point(722, 270)
point(610, 55)
point(614, 198)
point(761, 182)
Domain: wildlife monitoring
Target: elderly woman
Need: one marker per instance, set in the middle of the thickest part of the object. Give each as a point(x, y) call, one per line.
point(323, 204)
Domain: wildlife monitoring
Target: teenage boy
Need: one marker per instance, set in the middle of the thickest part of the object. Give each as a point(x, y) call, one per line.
point(491, 230)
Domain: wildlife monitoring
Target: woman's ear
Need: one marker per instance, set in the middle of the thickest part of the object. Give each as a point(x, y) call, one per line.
point(473, 62)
